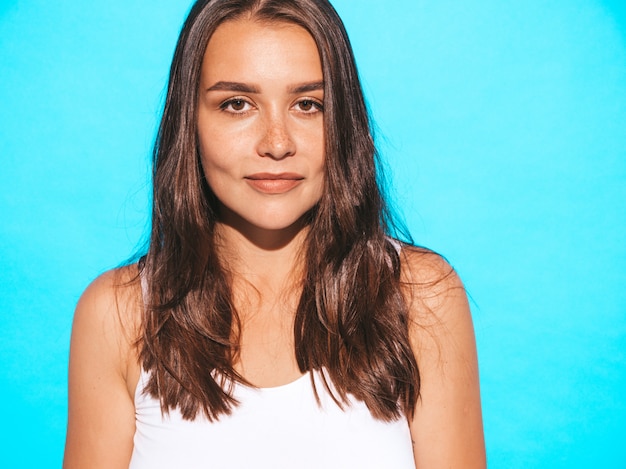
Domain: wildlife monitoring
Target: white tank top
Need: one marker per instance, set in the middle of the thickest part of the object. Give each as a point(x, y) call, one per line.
point(281, 427)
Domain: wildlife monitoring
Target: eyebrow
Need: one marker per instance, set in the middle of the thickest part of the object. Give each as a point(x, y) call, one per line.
point(307, 87)
point(233, 86)
point(247, 88)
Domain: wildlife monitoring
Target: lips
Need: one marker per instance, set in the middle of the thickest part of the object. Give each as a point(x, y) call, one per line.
point(274, 183)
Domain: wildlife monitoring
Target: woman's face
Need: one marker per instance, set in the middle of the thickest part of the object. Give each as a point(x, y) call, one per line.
point(260, 123)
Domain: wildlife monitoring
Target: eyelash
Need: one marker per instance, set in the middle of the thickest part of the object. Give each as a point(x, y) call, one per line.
point(316, 104)
point(228, 103)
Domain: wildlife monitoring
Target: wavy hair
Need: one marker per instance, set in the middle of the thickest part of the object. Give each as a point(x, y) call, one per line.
point(351, 319)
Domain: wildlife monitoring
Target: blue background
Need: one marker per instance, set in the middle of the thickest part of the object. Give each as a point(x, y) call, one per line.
point(504, 129)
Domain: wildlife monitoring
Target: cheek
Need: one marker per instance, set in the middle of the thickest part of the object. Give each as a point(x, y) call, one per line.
point(216, 171)
point(215, 151)
point(318, 165)
point(214, 168)
point(313, 146)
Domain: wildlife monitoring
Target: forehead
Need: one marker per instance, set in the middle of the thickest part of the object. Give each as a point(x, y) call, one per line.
point(245, 47)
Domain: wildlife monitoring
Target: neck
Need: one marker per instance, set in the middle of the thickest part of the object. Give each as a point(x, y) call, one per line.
point(271, 261)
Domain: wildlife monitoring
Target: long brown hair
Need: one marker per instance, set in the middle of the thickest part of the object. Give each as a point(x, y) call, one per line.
point(351, 320)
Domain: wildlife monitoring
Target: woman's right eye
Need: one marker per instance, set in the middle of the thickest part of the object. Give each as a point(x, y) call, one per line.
point(236, 105)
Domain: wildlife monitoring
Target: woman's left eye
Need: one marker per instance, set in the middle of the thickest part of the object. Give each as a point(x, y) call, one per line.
point(309, 106)
point(235, 106)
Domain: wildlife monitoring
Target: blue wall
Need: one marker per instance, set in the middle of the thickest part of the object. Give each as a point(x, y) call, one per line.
point(504, 128)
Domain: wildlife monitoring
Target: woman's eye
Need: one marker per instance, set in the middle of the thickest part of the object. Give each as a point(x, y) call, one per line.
point(235, 105)
point(309, 106)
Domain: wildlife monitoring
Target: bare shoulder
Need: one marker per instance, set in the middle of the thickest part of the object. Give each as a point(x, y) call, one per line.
point(107, 323)
point(112, 303)
point(440, 317)
point(447, 425)
point(423, 265)
point(432, 287)
point(102, 370)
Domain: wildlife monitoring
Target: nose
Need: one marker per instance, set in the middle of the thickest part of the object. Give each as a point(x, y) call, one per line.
point(276, 141)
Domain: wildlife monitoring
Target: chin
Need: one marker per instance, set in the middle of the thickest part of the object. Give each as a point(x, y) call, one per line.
point(263, 223)
point(273, 224)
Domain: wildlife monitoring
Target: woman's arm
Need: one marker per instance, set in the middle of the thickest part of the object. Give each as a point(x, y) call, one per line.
point(101, 416)
point(447, 426)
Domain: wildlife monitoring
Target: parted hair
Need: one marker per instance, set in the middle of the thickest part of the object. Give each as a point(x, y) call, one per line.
point(352, 319)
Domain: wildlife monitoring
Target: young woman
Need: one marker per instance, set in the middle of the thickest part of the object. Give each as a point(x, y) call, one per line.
point(273, 321)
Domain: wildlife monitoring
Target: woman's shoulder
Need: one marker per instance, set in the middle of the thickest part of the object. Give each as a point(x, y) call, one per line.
point(433, 289)
point(447, 423)
point(111, 305)
point(425, 268)
point(118, 288)
point(103, 371)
